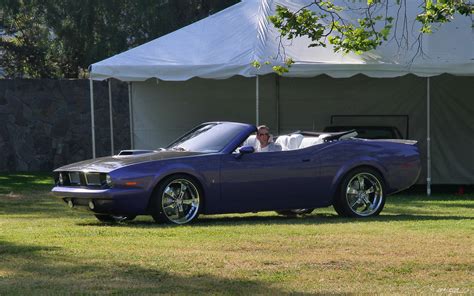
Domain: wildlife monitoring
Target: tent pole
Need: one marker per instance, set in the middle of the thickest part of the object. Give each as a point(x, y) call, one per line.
point(277, 78)
point(130, 114)
point(91, 88)
point(111, 119)
point(428, 138)
point(257, 100)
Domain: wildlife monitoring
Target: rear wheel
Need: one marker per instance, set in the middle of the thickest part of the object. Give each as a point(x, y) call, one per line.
point(114, 219)
point(361, 194)
point(177, 200)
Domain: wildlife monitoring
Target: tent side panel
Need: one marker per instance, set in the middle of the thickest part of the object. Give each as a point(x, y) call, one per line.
point(452, 132)
point(165, 110)
point(308, 104)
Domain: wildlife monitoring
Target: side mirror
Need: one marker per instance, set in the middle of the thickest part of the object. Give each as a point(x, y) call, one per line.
point(244, 150)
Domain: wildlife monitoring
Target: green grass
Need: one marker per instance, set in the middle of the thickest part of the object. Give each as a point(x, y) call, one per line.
point(418, 245)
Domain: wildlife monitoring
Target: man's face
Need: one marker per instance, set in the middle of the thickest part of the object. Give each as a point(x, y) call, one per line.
point(263, 136)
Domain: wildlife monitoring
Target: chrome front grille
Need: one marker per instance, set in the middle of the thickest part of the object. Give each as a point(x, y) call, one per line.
point(81, 179)
point(93, 179)
point(75, 178)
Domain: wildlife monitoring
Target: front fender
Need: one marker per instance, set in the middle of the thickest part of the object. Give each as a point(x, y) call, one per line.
point(205, 169)
point(178, 168)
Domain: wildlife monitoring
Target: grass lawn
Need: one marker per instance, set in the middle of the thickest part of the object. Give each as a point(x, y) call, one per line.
point(418, 245)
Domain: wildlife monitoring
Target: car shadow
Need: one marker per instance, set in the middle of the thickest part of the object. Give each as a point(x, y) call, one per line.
point(314, 219)
point(321, 219)
point(317, 219)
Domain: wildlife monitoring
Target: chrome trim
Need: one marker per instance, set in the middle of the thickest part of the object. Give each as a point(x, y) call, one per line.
point(89, 175)
point(74, 178)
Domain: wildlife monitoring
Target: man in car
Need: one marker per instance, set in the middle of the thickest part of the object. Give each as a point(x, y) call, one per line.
point(264, 141)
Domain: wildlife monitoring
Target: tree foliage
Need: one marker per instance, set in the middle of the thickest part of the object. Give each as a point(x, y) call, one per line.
point(324, 22)
point(25, 47)
point(61, 38)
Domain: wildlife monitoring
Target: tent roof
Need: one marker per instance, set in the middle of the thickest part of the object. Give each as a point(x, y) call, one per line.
point(225, 44)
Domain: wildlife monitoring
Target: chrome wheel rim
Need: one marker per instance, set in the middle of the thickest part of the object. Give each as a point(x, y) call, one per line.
point(364, 194)
point(180, 201)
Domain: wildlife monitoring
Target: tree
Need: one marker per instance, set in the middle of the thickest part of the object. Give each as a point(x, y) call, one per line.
point(61, 38)
point(24, 47)
point(323, 21)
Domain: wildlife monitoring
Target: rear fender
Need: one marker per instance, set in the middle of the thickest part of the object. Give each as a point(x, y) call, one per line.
point(359, 162)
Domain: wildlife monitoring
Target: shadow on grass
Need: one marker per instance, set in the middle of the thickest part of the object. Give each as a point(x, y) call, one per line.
point(398, 209)
point(8, 250)
point(35, 203)
point(318, 219)
point(30, 269)
point(24, 182)
point(322, 219)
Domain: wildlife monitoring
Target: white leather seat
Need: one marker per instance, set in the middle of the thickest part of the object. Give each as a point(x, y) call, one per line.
point(283, 142)
point(294, 141)
point(291, 142)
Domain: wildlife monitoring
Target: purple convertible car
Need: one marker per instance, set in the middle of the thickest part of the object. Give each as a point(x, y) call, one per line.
point(213, 170)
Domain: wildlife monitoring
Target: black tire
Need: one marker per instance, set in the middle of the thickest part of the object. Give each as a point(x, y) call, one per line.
point(295, 212)
point(114, 219)
point(361, 194)
point(177, 200)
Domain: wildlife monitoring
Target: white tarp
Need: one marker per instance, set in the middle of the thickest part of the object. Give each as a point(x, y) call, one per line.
point(226, 44)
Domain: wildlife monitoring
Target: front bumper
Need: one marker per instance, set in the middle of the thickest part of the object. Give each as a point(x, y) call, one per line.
point(113, 201)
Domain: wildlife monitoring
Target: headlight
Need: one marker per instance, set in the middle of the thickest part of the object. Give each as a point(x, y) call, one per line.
point(108, 180)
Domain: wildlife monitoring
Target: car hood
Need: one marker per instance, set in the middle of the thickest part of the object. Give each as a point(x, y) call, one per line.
point(110, 163)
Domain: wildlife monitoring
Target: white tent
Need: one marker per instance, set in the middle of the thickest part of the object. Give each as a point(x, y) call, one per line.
point(227, 43)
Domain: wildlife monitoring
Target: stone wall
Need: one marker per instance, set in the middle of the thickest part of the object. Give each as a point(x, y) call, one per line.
point(47, 123)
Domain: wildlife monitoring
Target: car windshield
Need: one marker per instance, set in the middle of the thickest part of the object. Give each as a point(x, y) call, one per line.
point(209, 137)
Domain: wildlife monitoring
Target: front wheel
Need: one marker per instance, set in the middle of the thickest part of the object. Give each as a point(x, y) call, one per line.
point(177, 200)
point(361, 194)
